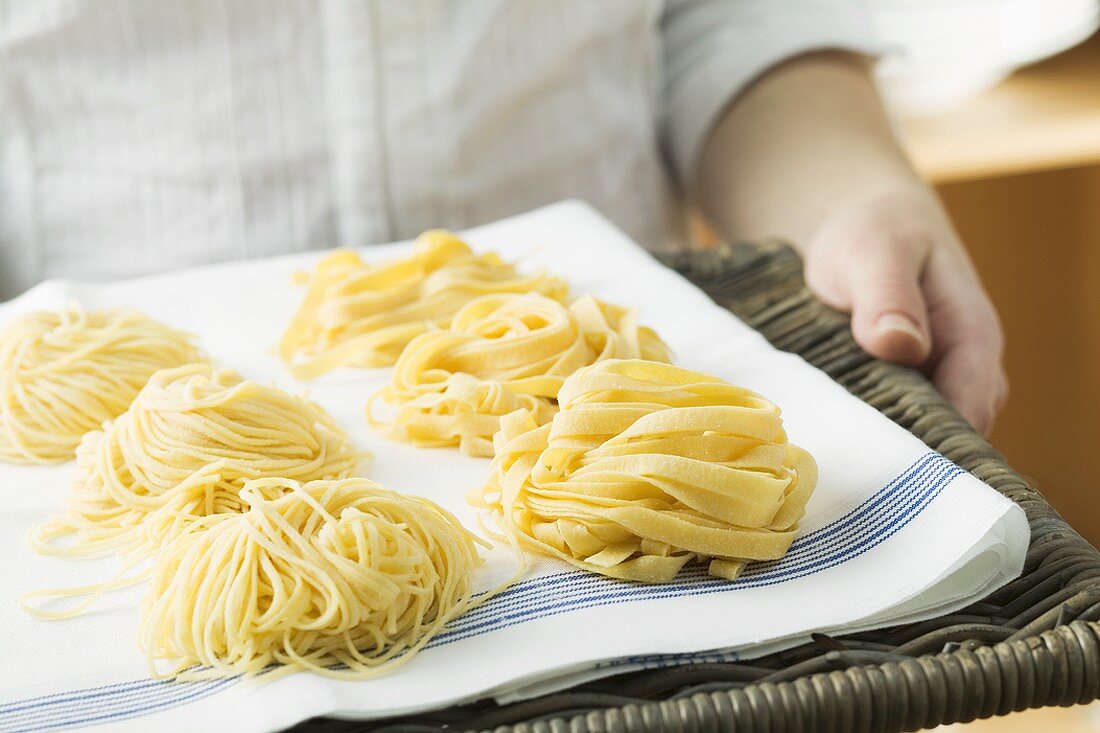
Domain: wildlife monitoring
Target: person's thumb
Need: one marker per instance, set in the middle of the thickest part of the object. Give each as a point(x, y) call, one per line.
point(880, 285)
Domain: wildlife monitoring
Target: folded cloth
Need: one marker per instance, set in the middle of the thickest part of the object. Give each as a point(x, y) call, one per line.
point(894, 532)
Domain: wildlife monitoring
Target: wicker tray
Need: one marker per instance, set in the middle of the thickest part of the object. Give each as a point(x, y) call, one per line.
point(1030, 644)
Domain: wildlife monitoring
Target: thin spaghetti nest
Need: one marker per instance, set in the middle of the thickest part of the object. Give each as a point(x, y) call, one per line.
point(647, 467)
point(184, 450)
point(63, 373)
point(504, 353)
point(356, 314)
point(310, 576)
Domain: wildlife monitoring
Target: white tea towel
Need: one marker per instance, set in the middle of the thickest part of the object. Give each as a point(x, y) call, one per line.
point(894, 532)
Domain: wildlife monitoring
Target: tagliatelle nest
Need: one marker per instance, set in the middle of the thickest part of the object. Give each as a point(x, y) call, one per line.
point(647, 467)
point(504, 353)
point(355, 314)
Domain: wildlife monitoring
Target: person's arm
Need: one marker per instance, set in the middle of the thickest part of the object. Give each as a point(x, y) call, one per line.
point(807, 153)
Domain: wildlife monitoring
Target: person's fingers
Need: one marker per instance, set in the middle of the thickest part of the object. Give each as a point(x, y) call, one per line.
point(963, 376)
point(969, 344)
point(879, 283)
point(897, 266)
point(1002, 393)
point(889, 317)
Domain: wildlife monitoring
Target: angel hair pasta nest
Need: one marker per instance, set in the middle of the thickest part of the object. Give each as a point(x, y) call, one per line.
point(189, 442)
point(646, 467)
point(502, 353)
point(63, 373)
point(355, 314)
point(310, 576)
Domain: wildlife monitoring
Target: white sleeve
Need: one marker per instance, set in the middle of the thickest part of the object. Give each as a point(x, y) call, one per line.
point(713, 49)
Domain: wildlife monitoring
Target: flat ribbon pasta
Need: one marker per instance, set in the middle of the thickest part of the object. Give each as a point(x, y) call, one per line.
point(646, 467)
point(356, 314)
point(63, 373)
point(502, 353)
point(189, 442)
point(309, 576)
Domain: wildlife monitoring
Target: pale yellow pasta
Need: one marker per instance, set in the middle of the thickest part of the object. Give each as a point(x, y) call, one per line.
point(189, 442)
point(355, 314)
point(646, 467)
point(503, 353)
point(63, 373)
point(340, 574)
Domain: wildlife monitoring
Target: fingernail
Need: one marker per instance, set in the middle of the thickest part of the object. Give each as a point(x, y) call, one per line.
point(895, 321)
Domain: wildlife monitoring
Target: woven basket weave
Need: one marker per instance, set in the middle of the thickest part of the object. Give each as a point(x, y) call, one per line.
point(1033, 643)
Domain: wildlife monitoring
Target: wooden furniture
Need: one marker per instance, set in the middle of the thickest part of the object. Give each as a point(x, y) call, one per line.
point(1043, 117)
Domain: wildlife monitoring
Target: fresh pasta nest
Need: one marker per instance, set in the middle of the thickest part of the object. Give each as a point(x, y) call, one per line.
point(502, 353)
point(310, 576)
point(188, 444)
point(646, 467)
point(63, 373)
point(356, 314)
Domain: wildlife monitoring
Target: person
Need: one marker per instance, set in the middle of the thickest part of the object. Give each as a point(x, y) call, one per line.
point(142, 135)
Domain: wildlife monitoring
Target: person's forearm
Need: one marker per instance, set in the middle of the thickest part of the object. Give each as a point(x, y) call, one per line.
point(806, 139)
point(807, 154)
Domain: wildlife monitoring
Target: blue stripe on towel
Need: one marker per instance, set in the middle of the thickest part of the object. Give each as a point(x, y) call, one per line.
point(872, 522)
point(850, 529)
point(865, 528)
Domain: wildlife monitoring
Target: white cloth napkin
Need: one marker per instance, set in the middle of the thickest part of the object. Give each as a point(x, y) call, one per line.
point(894, 532)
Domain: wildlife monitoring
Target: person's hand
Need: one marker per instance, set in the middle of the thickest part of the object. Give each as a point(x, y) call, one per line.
point(807, 153)
point(895, 263)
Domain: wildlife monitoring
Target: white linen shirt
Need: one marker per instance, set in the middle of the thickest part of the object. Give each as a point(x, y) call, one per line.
point(143, 135)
